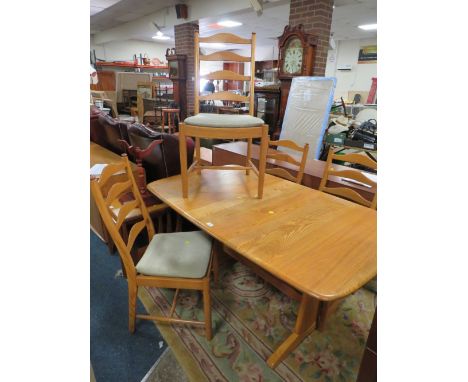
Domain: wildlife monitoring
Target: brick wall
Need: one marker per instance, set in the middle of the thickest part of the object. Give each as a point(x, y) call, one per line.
point(316, 18)
point(184, 44)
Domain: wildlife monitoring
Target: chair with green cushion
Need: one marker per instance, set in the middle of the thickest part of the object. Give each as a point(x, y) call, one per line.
point(224, 126)
point(179, 260)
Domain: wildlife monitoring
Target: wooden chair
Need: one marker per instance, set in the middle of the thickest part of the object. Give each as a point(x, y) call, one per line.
point(353, 175)
point(285, 157)
point(224, 126)
point(170, 115)
point(105, 98)
point(329, 307)
point(171, 260)
point(144, 90)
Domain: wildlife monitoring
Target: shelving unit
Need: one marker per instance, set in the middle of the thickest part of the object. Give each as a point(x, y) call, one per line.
point(130, 65)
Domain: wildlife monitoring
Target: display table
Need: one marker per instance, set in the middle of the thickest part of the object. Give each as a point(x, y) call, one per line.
point(323, 246)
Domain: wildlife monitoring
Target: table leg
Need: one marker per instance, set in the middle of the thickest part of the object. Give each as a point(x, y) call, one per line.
point(305, 324)
point(262, 160)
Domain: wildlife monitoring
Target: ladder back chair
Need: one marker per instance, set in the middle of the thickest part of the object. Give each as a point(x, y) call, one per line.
point(353, 174)
point(179, 260)
point(285, 157)
point(224, 126)
point(329, 307)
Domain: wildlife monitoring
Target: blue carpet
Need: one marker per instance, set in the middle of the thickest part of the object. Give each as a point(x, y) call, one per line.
point(117, 355)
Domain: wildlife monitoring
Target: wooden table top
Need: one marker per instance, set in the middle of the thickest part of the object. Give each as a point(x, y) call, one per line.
point(99, 154)
point(322, 245)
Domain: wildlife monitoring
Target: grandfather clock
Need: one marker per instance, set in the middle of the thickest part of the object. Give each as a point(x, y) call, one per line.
point(178, 76)
point(296, 58)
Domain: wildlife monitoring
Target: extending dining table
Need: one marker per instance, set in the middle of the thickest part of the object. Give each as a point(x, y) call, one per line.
point(320, 245)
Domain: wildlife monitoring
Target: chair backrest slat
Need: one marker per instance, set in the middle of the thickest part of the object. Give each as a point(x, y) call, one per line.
point(110, 170)
point(133, 234)
point(224, 96)
point(285, 157)
point(289, 144)
point(228, 38)
point(116, 190)
point(353, 174)
point(124, 211)
point(224, 56)
point(282, 173)
point(350, 173)
point(225, 75)
point(347, 193)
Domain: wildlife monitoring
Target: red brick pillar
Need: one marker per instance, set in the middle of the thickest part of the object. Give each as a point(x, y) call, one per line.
point(316, 18)
point(184, 44)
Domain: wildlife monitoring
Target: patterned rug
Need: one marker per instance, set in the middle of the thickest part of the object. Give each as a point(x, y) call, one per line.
point(250, 320)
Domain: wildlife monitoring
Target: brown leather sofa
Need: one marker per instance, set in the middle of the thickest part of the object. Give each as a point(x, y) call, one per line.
point(163, 160)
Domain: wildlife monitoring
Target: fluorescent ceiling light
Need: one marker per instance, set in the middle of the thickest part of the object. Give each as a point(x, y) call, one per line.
point(161, 37)
point(229, 23)
point(368, 27)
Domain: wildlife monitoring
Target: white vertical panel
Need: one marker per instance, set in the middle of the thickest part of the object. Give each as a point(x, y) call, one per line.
point(306, 116)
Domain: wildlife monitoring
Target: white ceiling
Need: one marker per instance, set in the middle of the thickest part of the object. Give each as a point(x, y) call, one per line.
point(120, 12)
point(347, 15)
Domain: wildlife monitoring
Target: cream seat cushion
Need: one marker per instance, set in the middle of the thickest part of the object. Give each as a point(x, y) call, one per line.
point(223, 120)
point(178, 254)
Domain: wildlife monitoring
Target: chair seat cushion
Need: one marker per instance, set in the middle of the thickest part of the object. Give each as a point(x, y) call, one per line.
point(178, 254)
point(223, 120)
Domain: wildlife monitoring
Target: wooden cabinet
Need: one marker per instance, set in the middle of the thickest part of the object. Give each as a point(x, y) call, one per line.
point(267, 103)
point(178, 76)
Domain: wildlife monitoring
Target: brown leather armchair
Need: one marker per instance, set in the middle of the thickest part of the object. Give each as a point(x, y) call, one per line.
point(110, 132)
point(163, 160)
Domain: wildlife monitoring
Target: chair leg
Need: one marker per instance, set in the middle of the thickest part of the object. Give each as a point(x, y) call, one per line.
point(262, 160)
point(132, 296)
point(249, 154)
point(183, 160)
point(207, 311)
point(198, 153)
point(215, 264)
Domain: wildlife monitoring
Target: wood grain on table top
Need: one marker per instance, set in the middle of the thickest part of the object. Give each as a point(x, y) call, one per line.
point(320, 244)
point(99, 154)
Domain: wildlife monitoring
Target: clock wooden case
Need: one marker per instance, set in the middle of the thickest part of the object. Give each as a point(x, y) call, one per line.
point(177, 73)
point(296, 58)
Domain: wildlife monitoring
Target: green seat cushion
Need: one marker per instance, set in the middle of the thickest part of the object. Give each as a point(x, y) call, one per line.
point(223, 120)
point(178, 254)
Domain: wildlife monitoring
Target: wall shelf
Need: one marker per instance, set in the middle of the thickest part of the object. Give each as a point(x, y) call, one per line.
point(130, 65)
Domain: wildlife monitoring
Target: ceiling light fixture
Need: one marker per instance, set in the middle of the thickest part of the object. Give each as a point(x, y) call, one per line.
point(229, 23)
point(160, 36)
point(368, 27)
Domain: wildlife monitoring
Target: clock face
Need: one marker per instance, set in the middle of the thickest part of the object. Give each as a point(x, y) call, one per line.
point(293, 54)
